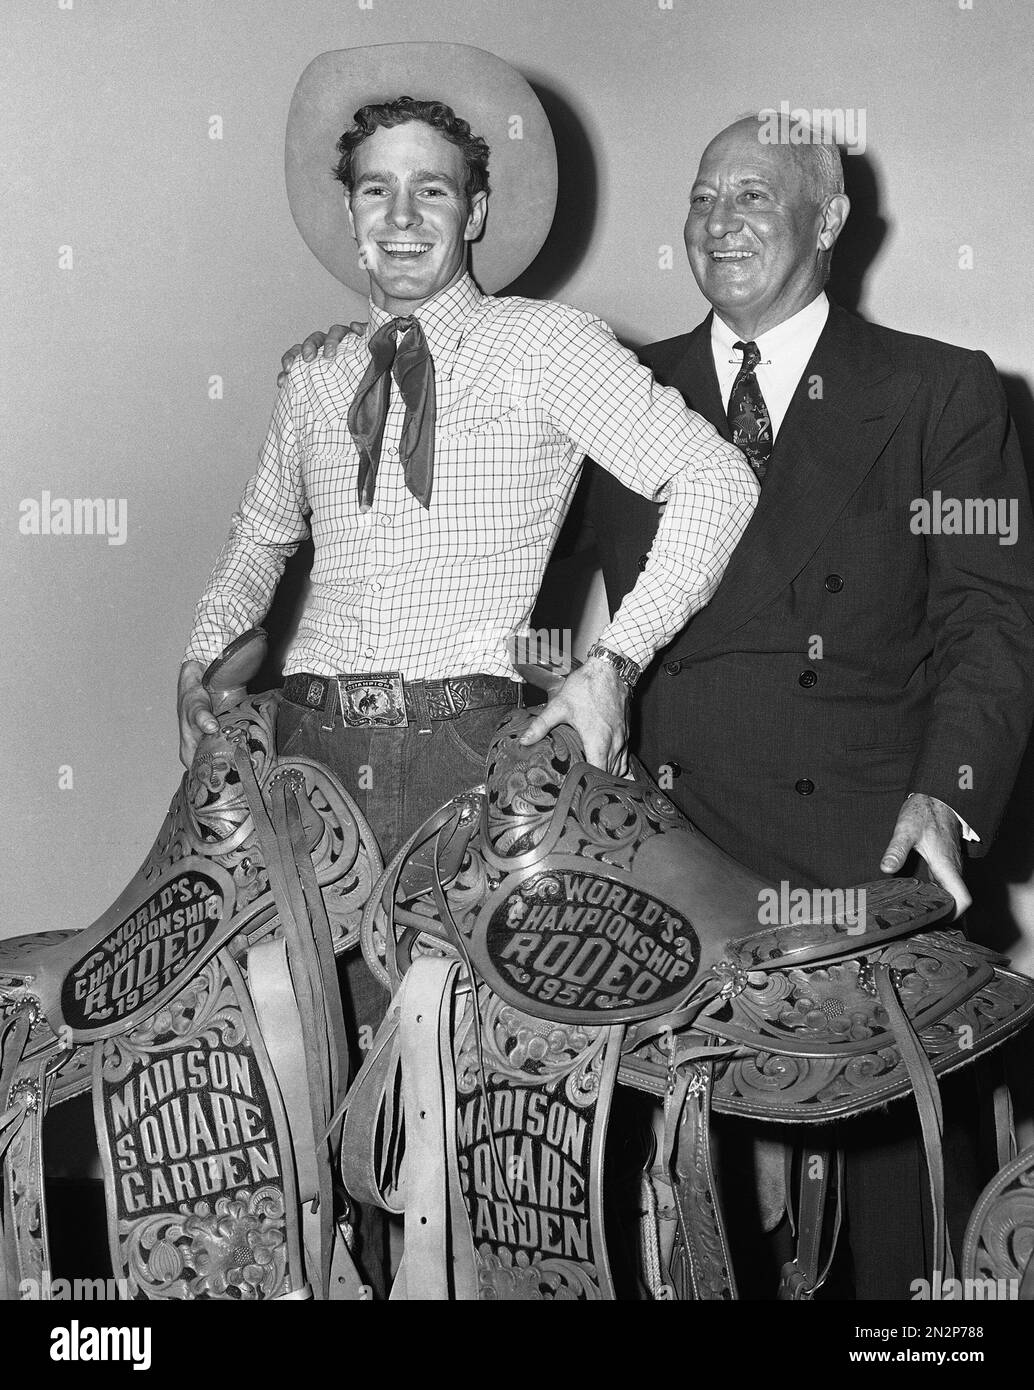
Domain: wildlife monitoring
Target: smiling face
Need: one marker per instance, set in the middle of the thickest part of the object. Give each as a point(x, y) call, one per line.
point(758, 234)
point(410, 214)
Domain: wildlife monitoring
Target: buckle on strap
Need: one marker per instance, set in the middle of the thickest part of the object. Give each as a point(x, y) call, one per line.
point(373, 699)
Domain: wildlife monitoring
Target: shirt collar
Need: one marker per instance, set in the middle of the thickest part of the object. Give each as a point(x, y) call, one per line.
point(442, 317)
point(806, 324)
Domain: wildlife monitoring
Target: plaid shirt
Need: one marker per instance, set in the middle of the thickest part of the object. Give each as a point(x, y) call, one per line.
point(525, 390)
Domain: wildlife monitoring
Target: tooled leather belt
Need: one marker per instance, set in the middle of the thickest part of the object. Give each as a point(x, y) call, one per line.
point(385, 699)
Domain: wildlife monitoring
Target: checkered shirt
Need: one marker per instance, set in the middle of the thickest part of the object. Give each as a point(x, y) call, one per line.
point(525, 390)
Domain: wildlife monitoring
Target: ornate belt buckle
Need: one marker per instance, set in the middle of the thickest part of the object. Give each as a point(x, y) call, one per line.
point(373, 700)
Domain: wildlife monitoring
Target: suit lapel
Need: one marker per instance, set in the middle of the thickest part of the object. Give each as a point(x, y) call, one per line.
point(847, 405)
point(697, 379)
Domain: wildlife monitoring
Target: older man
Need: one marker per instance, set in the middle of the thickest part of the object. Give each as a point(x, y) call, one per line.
point(862, 686)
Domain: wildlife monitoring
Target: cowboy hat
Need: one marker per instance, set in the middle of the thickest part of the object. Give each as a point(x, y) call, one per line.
point(481, 88)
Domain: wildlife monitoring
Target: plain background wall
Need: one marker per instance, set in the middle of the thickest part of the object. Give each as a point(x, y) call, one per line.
point(186, 265)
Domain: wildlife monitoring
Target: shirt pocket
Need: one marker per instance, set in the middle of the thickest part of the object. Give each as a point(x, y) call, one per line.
point(471, 415)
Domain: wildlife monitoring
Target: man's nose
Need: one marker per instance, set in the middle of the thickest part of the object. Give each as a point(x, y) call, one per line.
point(723, 218)
point(404, 211)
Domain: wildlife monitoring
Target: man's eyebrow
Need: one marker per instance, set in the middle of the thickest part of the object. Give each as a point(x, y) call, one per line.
point(435, 176)
point(743, 179)
point(375, 176)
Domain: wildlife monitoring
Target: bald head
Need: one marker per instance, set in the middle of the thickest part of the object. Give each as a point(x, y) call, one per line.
point(765, 213)
point(817, 157)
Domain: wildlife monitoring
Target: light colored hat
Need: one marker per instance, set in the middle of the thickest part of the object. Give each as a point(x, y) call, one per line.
point(482, 89)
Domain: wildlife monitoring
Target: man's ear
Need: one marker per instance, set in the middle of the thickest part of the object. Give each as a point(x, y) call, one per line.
point(351, 219)
point(478, 213)
point(833, 218)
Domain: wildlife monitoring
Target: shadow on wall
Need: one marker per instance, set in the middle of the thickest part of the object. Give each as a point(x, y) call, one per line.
point(576, 205)
point(863, 235)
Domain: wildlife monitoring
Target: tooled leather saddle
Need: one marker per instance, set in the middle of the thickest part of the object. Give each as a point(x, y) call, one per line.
point(560, 931)
point(202, 1011)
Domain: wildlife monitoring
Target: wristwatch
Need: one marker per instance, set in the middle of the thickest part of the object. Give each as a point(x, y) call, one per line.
point(627, 669)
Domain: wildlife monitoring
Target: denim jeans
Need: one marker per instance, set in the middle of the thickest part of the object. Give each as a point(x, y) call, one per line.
point(397, 777)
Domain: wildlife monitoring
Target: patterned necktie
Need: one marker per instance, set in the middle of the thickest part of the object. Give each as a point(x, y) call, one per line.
point(748, 414)
point(411, 365)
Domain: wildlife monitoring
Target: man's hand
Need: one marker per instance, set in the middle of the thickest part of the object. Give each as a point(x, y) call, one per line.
point(329, 342)
point(932, 829)
point(194, 706)
point(594, 701)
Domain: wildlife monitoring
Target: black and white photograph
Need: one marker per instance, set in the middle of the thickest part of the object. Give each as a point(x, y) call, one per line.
point(519, 636)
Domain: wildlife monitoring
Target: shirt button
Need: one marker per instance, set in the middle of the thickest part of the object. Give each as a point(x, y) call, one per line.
point(807, 679)
point(673, 667)
point(641, 562)
point(370, 651)
point(391, 453)
point(804, 787)
point(834, 583)
point(383, 519)
point(375, 586)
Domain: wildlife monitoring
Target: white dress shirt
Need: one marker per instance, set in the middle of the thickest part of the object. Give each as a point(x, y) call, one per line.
point(785, 351)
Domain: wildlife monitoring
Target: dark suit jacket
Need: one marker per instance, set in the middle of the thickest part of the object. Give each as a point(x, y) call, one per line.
point(844, 660)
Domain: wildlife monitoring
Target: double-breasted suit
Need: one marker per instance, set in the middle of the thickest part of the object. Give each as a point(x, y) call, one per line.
point(852, 653)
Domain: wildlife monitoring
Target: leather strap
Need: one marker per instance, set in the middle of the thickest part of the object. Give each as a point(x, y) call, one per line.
point(931, 1118)
point(702, 1255)
point(314, 1030)
point(14, 1034)
point(1005, 1127)
point(276, 1008)
point(801, 1278)
point(438, 1263)
point(382, 899)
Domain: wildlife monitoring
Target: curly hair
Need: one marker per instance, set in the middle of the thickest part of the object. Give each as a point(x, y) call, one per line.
point(433, 113)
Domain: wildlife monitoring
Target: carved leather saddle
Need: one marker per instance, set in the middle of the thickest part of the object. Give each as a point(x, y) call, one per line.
point(559, 931)
point(202, 1011)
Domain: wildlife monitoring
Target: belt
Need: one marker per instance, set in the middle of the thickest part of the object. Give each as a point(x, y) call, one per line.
point(386, 700)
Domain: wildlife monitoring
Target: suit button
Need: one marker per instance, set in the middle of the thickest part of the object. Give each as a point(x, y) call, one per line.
point(673, 769)
point(673, 667)
point(807, 679)
point(834, 583)
point(641, 562)
point(804, 787)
